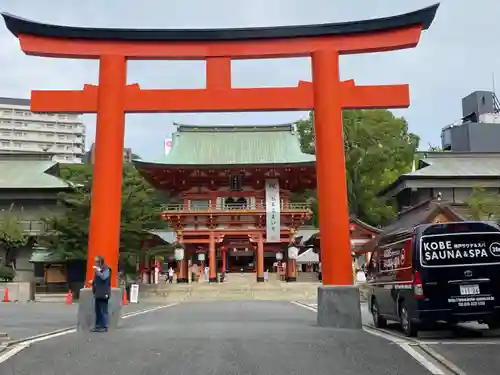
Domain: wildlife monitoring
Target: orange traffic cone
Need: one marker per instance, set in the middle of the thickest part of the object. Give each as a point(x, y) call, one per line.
point(69, 298)
point(6, 295)
point(124, 299)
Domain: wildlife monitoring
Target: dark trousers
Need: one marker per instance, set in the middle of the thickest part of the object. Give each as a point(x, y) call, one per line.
point(101, 313)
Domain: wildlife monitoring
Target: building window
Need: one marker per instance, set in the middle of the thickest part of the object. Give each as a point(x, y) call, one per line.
point(61, 136)
point(236, 182)
point(5, 143)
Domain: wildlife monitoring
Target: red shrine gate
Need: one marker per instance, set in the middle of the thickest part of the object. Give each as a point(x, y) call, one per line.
point(326, 95)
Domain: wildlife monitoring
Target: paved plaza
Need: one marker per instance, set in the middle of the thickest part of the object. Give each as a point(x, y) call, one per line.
point(21, 320)
point(216, 338)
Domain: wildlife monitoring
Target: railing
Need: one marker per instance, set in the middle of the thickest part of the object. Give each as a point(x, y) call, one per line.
point(31, 226)
point(236, 208)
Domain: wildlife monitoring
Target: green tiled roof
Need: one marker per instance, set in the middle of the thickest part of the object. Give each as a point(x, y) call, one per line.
point(230, 145)
point(459, 164)
point(29, 174)
point(45, 256)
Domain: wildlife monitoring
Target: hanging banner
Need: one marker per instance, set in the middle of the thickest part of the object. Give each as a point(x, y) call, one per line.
point(273, 224)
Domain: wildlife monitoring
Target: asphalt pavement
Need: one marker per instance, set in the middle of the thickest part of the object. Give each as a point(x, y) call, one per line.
point(258, 337)
point(21, 320)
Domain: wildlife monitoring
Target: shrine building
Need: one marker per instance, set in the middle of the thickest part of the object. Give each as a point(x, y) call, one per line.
point(231, 190)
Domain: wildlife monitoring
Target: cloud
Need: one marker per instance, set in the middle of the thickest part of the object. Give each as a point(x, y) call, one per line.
point(456, 56)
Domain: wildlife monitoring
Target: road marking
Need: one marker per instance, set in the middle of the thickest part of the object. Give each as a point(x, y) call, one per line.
point(425, 342)
point(140, 312)
point(12, 352)
point(421, 359)
point(404, 344)
point(449, 365)
point(303, 305)
point(20, 346)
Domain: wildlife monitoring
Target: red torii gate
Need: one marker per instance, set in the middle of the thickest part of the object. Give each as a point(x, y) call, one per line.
point(326, 95)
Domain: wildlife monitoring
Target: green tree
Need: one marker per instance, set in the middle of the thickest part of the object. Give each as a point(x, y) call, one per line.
point(141, 208)
point(12, 238)
point(483, 204)
point(378, 148)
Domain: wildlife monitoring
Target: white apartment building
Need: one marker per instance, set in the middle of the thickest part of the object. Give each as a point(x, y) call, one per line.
point(62, 135)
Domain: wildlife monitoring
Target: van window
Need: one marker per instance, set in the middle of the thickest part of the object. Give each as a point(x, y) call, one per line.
point(460, 244)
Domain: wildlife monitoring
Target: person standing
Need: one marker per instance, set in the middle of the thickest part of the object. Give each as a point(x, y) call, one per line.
point(170, 275)
point(101, 288)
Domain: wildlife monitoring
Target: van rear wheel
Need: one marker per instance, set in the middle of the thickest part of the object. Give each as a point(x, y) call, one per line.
point(409, 328)
point(378, 321)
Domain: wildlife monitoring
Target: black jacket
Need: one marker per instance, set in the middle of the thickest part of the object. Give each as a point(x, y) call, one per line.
point(101, 285)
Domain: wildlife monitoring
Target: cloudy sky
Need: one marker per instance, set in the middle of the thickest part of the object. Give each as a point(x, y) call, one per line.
point(459, 54)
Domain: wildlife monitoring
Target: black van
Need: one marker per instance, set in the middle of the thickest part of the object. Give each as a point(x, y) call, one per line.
point(436, 272)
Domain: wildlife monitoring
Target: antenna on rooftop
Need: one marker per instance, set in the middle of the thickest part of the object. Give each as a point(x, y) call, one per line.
point(496, 103)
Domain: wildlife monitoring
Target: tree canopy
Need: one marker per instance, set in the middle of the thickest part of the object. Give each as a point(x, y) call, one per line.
point(141, 207)
point(378, 148)
point(483, 204)
point(12, 238)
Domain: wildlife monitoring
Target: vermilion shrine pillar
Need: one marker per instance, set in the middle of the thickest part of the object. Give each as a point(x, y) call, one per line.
point(182, 270)
point(260, 259)
point(224, 259)
point(212, 259)
point(106, 193)
point(331, 173)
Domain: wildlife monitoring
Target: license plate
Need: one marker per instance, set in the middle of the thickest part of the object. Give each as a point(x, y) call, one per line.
point(467, 290)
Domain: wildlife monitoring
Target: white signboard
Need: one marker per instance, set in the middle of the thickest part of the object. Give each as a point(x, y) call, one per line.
point(293, 252)
point(179, 254)
point(134, 293)
point(273, 223)
point(168, 146)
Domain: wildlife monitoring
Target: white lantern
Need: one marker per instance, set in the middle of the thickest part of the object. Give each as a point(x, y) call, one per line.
point(201, 257)
point(179, 253)
point(279, 255)
point(293, 252)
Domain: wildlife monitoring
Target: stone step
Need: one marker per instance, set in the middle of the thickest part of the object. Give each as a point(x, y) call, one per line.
point(51, 298)
point(221, 291)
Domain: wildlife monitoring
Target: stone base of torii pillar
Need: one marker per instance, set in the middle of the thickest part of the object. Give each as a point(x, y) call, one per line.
point(339, 307)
